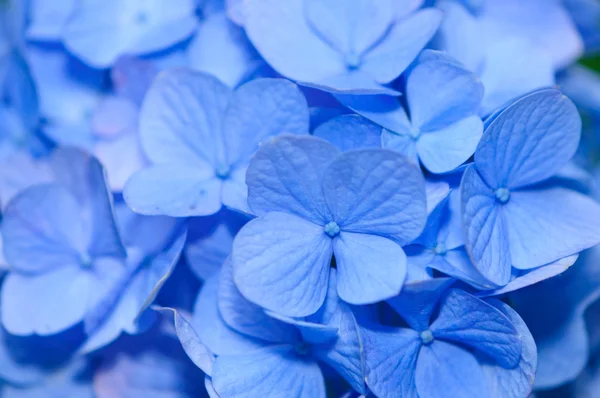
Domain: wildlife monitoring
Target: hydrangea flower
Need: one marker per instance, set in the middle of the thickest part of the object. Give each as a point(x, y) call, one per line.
point(200, 136)
point(313, 202)
point(443, 129)
point(62, 246)
point(99, 31)
point(465, 348)
point(360, 45)
point(260, 353)
point(512, 213)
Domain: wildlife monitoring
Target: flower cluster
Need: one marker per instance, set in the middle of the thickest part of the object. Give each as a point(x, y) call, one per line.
point(299, 198)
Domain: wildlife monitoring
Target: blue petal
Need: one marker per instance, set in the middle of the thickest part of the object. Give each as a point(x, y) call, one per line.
point(272, 371)
point(418, 300)
point(285, 175)
point(258, 111)
point(529, 141)
point(384, 110)
point(545, 225)
point(281, 262)
point(181, 119)
point(445, 370)
point(174, 190)
point(458, 94)
point(349, 132)
point(485, 229)
point(354, 82)
point(390, 361)
point(376, 191)
point(212, 330)
point(351, 27)
point(390, 57)
point(247, 318)
point(99, 31)
point(370, 268)
point(514, 382)
point(42, 230)
point(49, 18)
point(467, 320)
point(403, 144)
point(281, 35)
point(193, 347)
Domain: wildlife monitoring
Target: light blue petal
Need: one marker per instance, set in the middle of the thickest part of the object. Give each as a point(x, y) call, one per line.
point(99, 32)
point(181, 119)
point(248, 318)
point(272, 371)
point(458, 94)
point(282, 36)
point(49, 18)
point(467, 320)
point(221, 49)
point(403, 144)
point(529, 141)
point(193, 347)
point(390, 361)
point(436, 192)
point(370, 268)
point(258, 111)
point(351, 27)
point(384, 110)
point(418, 300)
point(212, 330)
point(376, 191)
point(456, 263)
point(281, 262)
point(485, 229)
point(545, 225)
point(445, 149)
point(390, 57)
point(285, 175)
point(445, 370)
point(353, 82)
point(42, 230)
point(516, 382)
point(349, 132)
point(174, 190)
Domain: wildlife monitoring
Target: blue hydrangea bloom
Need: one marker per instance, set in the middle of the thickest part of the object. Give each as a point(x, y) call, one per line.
point(443, 130)
point(63, 248)
point(513, 215)
point(360, 45)
point(99, 31)
point(200, 136)
point(465, 348)
point(260, 353)
point(313, 202)
point(557, 321)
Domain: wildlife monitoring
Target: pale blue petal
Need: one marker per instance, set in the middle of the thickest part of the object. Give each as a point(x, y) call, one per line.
point(467, 320)
point(285, 175)
point(49, 18)
point(390, 361)
point(389, 58)
point(272, 371)
point(181, 119)
point(485, 229)
point(281, 262)
point(248, 318)
point(370, 268)
point(529, 141)
point(349, 132)
point(353, 82)
point(175, 190)
point(403, 144)
point(456, 263)
point(378, 192)
point(281, 35)
point(384, 110)
point(445, 149)
point(444, 370)
point(545, 225)
point(258, 111)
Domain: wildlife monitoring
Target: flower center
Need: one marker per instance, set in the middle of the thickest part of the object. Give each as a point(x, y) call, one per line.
point(440, 249)
point(502, 195)
point(331, 229)
point(85, 261)
point(223, 171)
point(352, 61)
point(426, 337)
point(415, 133)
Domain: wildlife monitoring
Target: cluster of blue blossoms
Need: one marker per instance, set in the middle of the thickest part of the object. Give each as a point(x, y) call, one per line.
point(299, 198)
